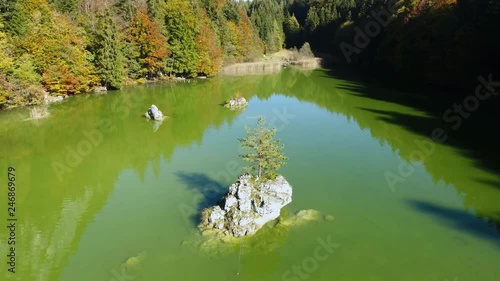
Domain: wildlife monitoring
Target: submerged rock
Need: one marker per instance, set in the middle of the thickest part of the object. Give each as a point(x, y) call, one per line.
point(247, 206)
point(154, 113)
point(329, 218)
point(236, 103)
point(301, 217)
point(135, 261)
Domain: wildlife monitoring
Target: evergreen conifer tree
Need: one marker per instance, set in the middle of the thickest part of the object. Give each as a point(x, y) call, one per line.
point(264, 155)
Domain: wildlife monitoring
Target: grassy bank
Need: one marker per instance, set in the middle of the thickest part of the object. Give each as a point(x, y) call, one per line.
point(273, 63)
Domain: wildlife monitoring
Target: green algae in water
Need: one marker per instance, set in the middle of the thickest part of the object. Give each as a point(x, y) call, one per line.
point(269, 238)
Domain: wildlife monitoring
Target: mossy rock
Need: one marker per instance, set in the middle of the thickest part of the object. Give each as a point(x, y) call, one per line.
point(301, 217)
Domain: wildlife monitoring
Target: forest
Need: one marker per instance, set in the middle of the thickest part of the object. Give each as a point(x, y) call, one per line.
point(445, 44)
point(70, 47)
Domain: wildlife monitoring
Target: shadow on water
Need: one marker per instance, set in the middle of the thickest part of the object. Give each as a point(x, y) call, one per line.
point(492, 183)
point(472, 134)
point(424, 126)
point(405, 120)
point(462, 220)
point(211, 191)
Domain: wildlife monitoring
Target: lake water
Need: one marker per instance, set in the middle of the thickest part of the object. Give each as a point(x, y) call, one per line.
point(98, 184)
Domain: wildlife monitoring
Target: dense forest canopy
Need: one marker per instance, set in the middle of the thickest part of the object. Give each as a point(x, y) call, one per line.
point(68, 47)
point(444, 43)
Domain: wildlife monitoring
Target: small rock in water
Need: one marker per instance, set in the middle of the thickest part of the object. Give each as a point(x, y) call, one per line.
point(100, 90)
point(154, 113)
point(237, 103)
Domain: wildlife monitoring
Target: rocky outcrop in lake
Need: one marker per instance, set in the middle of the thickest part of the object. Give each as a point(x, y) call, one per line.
point(154, 113)
point(247, 206)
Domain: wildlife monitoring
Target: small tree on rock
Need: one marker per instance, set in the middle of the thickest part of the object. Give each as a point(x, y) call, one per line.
point(264, 155)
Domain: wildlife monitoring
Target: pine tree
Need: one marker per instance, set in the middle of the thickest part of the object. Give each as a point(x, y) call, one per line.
point(268, 18)
point(65, 6)
point(312, 20)
point(291, 28)
point(127, 8)
point(108, 56)
point(154, 9)
point(265, 153)
point(277, 39)
point(14, 16)
point(181, 29)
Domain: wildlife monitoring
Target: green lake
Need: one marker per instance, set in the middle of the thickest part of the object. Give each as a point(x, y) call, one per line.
point(98, 184)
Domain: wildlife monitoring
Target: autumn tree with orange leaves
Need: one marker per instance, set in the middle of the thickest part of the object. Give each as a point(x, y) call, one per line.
point(58, 49)
point(208, 47)
point(148, 44)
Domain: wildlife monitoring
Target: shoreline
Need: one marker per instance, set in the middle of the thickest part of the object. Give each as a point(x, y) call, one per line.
point(271, 64)
point(263, 67)
point(48, 99)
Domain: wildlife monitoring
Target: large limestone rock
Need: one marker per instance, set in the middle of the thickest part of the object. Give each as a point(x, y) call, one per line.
point(154, 113)
point(247, 206)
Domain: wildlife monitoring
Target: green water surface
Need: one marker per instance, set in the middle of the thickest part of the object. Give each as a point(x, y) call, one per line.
point(98, 184)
